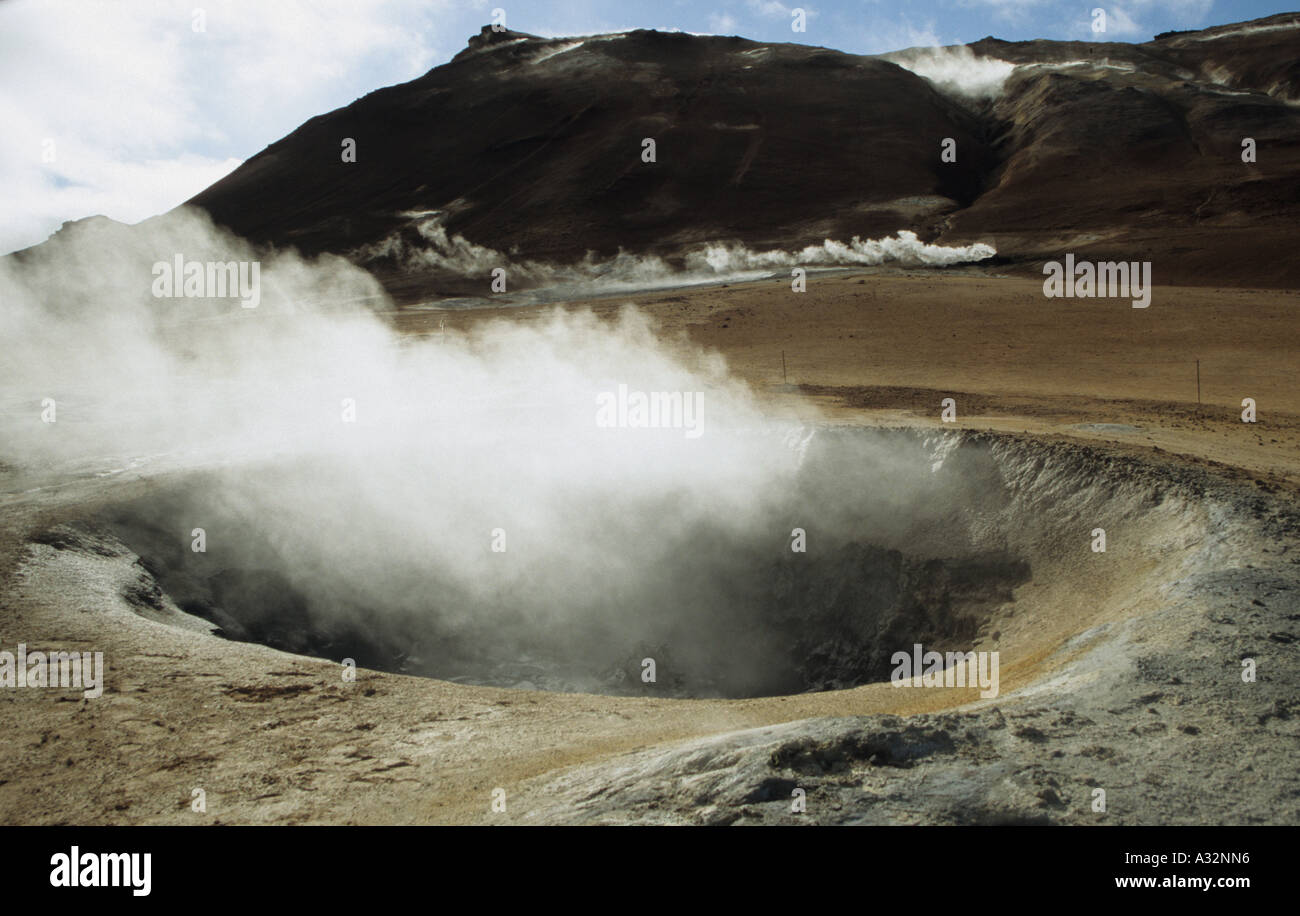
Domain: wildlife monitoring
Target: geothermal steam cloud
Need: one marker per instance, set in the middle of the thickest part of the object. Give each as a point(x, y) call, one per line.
point(493, 489)
point(374, 469)
point(956, 70)
point(456, 255)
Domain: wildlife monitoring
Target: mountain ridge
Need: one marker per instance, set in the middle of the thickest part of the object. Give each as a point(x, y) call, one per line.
point(532, 147)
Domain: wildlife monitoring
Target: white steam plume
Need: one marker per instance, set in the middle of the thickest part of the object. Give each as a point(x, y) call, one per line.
point(717, 261)
point(453, 438)
point(905, 249)
point(956, 70)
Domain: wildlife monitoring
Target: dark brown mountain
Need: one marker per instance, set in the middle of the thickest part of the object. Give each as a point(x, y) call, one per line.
point(533, 147)
point(1135, 151)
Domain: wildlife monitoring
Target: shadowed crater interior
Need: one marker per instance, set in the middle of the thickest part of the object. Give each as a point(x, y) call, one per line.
point(909, 537)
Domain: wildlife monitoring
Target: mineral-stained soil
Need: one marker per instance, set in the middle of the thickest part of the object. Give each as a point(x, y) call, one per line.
point(1125, 678)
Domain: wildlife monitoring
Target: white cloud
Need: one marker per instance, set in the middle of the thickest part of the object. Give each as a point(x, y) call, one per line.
point(1009, 11)
point(722, 24)
point(144, 111)
point(879, 38)
point(776, 10)
point(1119, 24)
point(81, 182)
point(1123, 20)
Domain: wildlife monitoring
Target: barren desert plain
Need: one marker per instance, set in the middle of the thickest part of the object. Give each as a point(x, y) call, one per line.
point(1107, 678)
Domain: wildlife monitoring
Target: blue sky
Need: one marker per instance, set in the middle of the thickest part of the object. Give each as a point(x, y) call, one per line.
point(128, 107)
point(876, 26)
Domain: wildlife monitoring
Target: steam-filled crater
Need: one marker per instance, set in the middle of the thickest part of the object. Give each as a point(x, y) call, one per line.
point(876, 540)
